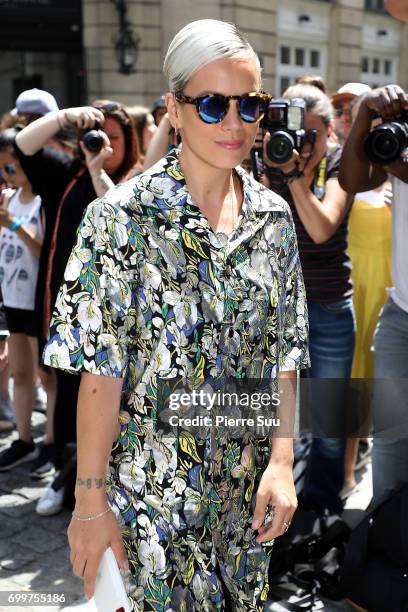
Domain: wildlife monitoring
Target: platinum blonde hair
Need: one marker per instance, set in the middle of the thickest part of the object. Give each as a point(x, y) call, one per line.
point(199, 43)
point(317, 102)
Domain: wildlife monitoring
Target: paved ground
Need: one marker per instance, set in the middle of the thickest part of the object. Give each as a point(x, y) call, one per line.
point(33, 549)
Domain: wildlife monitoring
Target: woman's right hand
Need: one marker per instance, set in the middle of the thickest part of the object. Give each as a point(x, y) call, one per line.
point(88, 540)
point(84, 117)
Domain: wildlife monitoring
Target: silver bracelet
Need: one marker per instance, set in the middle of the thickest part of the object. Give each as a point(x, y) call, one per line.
point(90, 518)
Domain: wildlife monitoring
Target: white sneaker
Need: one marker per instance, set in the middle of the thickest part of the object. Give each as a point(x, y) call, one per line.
point(50, 502)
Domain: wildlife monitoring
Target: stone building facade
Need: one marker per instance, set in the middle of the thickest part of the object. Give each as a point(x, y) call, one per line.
point(68, 46)
point(342, 40)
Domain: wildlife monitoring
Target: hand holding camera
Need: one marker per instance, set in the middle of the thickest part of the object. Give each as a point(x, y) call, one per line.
point(96, 147)
point(388, 102)
point(286, 136)
point(84, 117)
point(94, 143)
point(387, 142)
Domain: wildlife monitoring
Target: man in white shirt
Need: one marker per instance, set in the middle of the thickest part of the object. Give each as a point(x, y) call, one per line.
point(390, 447)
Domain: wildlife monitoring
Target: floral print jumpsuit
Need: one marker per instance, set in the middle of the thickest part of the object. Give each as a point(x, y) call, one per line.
point(151, 291)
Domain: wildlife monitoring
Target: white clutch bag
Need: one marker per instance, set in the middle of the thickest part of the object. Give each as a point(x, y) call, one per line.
point(110, 593)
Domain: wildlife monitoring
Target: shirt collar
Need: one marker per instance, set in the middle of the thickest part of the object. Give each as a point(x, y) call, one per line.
point(257, 198)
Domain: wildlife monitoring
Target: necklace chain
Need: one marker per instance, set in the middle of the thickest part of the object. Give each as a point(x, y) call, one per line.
point(230, 193)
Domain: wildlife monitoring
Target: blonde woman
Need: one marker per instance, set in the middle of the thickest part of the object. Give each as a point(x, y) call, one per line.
point(190, 270)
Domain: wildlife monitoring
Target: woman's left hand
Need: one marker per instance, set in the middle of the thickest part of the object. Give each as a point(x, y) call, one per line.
point(276, 489)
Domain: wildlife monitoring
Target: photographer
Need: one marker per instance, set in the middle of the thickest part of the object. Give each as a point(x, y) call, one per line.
point(308, 182)
point(358, 173)
point(67, 184)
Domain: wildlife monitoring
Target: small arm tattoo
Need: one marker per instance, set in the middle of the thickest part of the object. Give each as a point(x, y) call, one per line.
point(89, 482)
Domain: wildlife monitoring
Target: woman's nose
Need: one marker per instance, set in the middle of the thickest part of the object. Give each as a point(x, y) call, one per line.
point(232, 120)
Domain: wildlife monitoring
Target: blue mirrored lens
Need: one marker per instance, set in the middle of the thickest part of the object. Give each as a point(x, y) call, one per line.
point(251, 107)
point(213, 109)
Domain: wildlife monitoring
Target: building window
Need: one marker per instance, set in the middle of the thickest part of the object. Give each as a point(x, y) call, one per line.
point(300, 57)
point(285, 55)
point(377, 71)
point(387, 67)
point(374, 5)
point(315, 59)
point(284, 84)
point(297, 61)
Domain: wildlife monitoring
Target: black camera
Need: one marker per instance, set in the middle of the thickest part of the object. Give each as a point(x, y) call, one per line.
point(92, 139)
point(284, 119)
point(386, 143)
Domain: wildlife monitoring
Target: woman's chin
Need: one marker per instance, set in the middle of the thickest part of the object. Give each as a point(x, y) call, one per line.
point(227, 158)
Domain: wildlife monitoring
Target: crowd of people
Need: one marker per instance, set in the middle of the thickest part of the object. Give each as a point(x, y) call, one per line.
point(48, 179)
point(61, 254)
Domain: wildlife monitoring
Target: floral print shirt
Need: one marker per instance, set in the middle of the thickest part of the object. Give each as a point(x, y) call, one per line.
point(151, 291)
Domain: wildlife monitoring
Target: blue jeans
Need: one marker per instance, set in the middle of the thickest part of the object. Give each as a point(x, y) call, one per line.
point(331, 345)
point(390, 413)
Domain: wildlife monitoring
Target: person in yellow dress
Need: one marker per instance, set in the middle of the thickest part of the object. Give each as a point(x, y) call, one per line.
point(370, 252)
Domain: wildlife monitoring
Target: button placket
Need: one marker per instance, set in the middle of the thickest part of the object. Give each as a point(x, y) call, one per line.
point(229, 312)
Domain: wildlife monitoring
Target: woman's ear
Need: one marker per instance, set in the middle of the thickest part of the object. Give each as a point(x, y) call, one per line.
point(172, 111)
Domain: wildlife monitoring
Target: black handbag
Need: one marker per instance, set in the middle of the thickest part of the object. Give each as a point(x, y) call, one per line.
point(305, 563)
point(375, 569)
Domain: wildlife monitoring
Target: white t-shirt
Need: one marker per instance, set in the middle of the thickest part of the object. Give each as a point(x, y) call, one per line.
point(18, 266)
point(399, 292)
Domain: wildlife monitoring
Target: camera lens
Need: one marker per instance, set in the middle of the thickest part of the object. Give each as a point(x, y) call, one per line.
point(280, 147)
point(386, 143)
point(93, 141)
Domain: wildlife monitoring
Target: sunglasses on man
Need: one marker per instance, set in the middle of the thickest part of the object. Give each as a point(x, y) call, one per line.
point(9, 169)
point(341, 110)
point(213, 108)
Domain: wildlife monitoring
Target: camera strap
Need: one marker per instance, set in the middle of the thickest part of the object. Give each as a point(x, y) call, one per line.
point(53, 247)
point(320, 180)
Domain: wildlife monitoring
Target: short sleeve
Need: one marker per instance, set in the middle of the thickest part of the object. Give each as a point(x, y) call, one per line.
point(94, 320)
point(294, 349)
point(48, 170)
